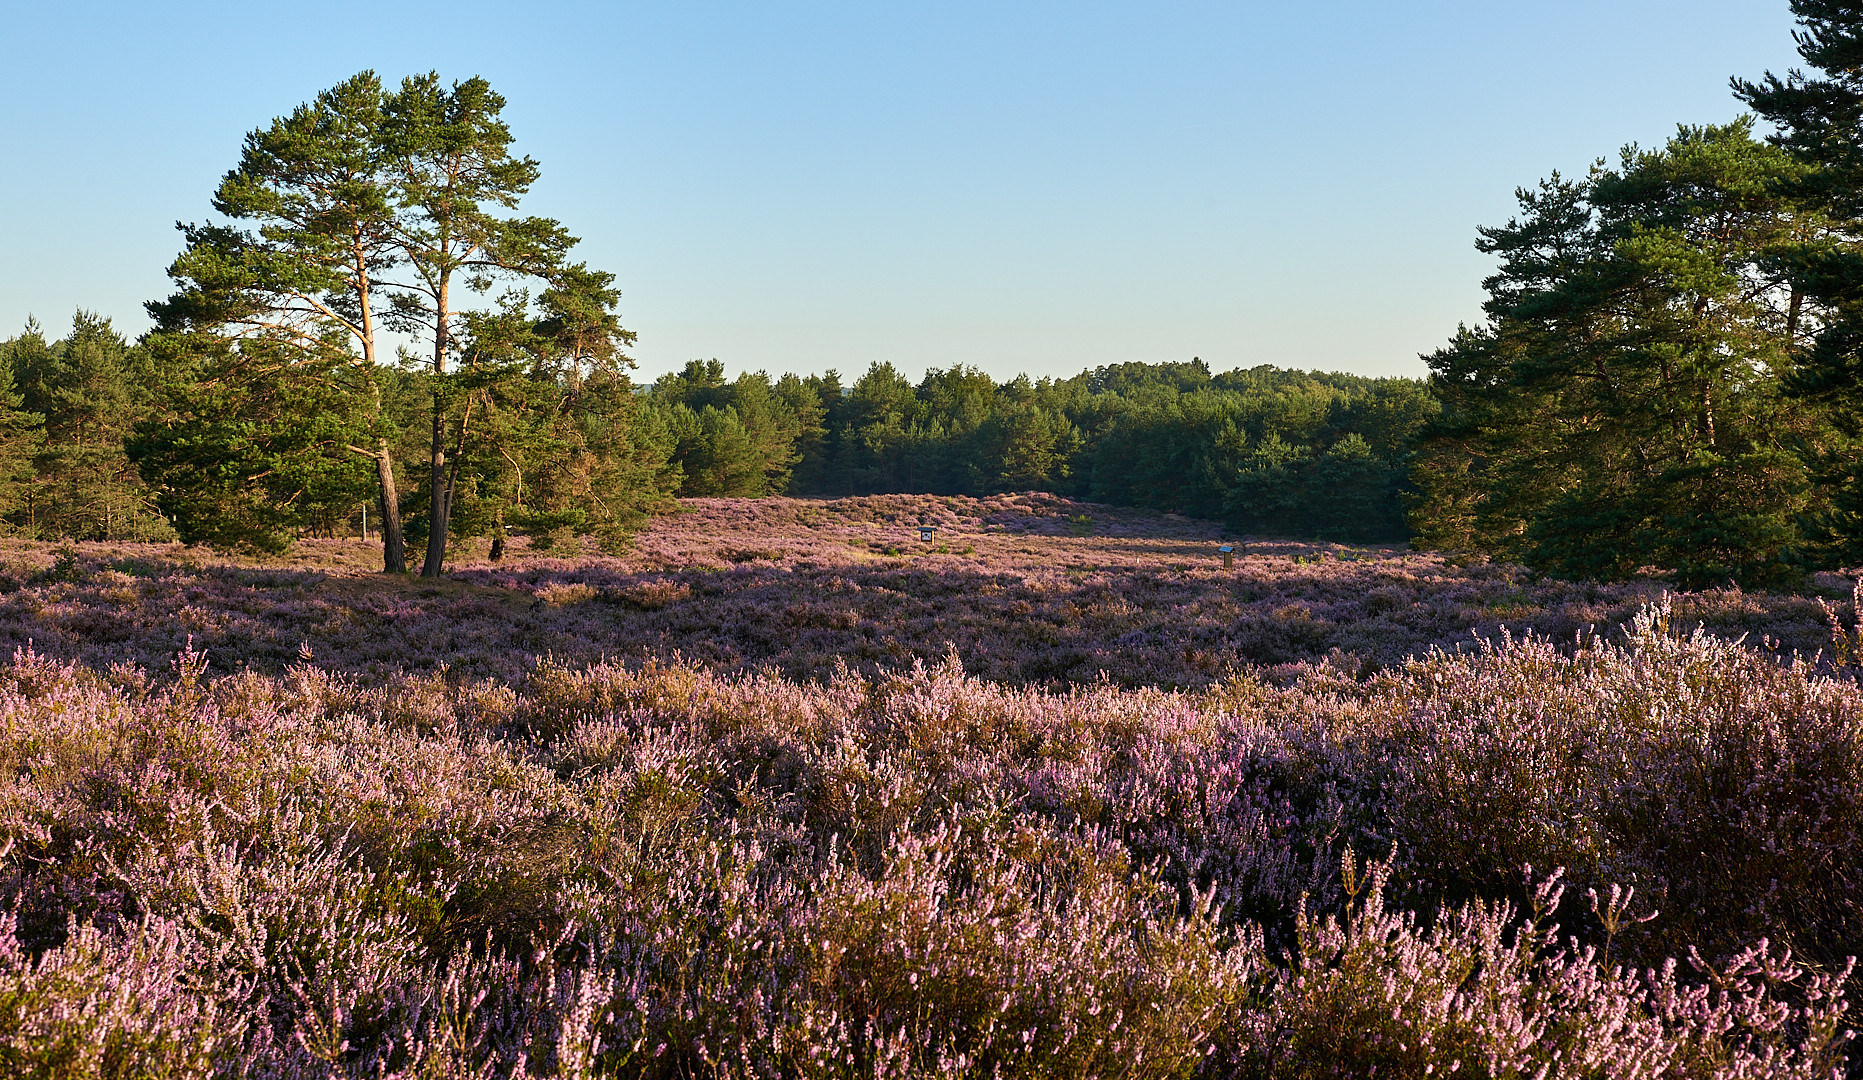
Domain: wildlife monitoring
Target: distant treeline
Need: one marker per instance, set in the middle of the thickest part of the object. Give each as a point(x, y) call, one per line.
point(89, 436)
point(66, 409)
point(1267, 450)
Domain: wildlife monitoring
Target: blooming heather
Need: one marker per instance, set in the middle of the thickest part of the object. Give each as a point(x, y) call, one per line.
point(1028, 590)
point(1628, 853)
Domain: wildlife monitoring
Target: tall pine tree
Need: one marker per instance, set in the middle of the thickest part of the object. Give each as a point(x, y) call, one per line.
point(448, 154)
point(1623, 407)
point(281, 302)
point(363, 210)
point(1818, 118)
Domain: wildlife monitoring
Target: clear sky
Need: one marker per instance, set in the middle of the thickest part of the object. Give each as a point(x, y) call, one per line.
point(1027, 187)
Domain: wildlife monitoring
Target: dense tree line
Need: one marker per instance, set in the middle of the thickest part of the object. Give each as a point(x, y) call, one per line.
point(66, 409)
point(242, 457)
point(1268, 450)
point(101, 439)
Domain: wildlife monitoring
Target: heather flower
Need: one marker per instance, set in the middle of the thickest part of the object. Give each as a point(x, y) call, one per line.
point(901, 863)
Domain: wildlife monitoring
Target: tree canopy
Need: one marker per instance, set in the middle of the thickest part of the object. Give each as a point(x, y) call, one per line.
point(1271, 451)
point(363, 211)
point(1624, 406)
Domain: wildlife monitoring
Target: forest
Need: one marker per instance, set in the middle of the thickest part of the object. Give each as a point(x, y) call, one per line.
point(1269, 451)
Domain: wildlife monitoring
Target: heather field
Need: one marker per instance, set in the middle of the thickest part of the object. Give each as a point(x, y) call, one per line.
point(1029, 590)
point(784, 791)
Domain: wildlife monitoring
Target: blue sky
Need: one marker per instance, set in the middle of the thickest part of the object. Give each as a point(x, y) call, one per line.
point(1025, 187)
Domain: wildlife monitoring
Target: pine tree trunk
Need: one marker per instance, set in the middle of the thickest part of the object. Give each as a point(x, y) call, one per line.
point(394, 550)
point(436, 487)
point(436, 497)
point(459, 455)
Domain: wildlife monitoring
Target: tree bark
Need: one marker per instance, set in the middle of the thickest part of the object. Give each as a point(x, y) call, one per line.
point(437, 507)
point(436, 496)
point(459, 455)
point(394, 551)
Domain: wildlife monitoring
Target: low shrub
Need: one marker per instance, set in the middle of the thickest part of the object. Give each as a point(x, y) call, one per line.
point(663, 869)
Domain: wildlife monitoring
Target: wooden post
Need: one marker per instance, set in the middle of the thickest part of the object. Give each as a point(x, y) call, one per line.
point(1229, 556)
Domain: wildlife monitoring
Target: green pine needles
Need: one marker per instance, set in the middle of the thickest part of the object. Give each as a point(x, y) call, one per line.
point(1673, 359)
point(368, 211)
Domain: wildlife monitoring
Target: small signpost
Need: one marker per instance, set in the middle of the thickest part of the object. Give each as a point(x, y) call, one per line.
point(1229, 556)
point(925, 533)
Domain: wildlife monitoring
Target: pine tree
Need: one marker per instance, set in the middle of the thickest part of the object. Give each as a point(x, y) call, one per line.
point(1819, 120)
point(740, 438)
point(21, 431)
point(1623, 407)
point(448, 154)
point(550, 434)
point(258, 311)
point(359, 211)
